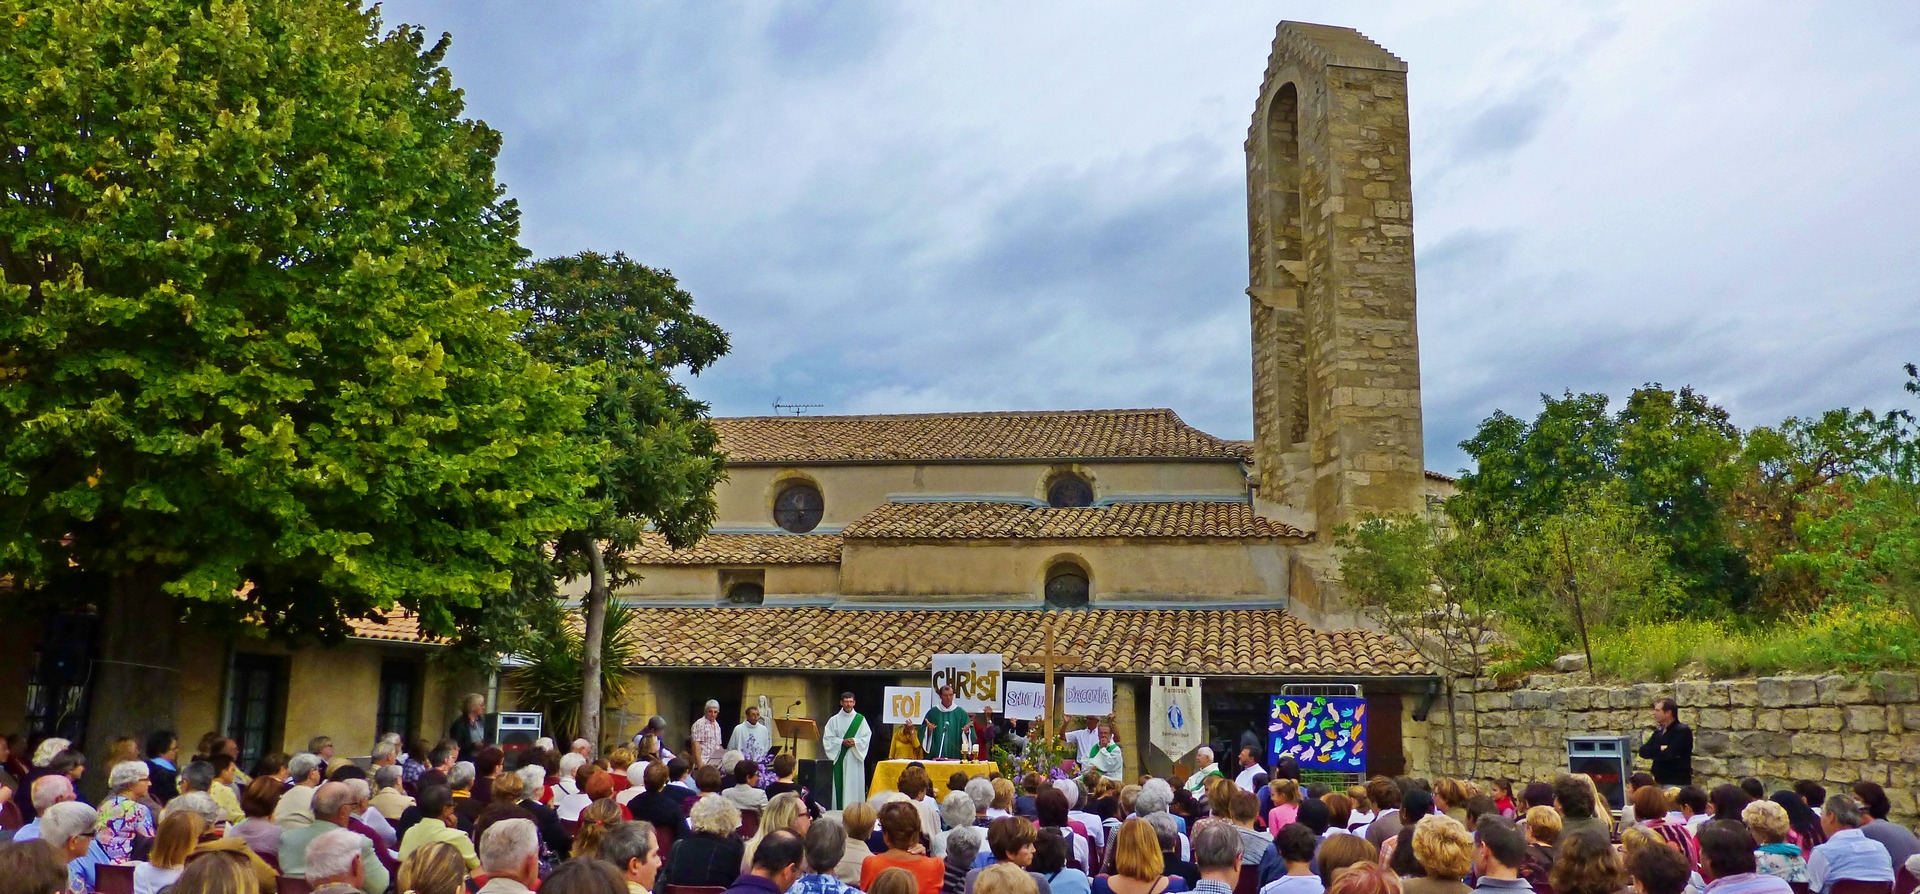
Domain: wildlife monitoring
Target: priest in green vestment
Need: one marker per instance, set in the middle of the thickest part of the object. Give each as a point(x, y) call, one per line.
point(944, 728)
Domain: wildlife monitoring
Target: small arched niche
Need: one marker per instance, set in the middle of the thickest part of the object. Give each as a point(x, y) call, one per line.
point(1067, 584)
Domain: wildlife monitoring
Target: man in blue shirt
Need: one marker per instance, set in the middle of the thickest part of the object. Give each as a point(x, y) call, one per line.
point(1848, 853)
point(68, 827)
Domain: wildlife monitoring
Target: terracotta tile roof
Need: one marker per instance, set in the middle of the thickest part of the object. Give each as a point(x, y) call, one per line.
point(934, 437)
point(1015, 521)
point(742, 549)
point(1257, 642)
point(399, 624)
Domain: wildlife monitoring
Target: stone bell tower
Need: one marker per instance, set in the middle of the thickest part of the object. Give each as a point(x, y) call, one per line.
point(1336, 360)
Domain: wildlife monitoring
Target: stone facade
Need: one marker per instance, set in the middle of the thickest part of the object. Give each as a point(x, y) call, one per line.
point(1336, 358)
point(1834, 729)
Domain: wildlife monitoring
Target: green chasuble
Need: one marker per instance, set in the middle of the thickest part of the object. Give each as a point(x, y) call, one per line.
point(948, 724)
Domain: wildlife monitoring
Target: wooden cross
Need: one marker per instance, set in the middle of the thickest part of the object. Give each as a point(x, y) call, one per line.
point(1048, 659)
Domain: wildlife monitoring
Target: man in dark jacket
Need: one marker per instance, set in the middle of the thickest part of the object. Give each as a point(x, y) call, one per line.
point(1670, 747)
point(776, 863)
point(656, 806)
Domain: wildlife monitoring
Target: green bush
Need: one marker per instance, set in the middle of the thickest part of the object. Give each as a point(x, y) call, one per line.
point(1843, 638)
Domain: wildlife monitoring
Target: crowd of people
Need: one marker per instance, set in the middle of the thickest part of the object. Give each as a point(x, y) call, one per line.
point(466, 817)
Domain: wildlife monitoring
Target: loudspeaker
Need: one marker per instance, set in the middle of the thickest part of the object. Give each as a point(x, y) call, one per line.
point(817, 776)
point(512, 731)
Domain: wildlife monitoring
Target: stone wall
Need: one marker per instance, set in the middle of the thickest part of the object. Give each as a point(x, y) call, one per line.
point(1835, 729)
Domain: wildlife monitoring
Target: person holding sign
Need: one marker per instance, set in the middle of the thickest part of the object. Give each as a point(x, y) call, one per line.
point(845, 740)
point(1105, 755)
point(945, 728)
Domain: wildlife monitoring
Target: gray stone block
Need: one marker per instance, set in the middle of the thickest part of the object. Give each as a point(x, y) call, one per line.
point(1891, 688)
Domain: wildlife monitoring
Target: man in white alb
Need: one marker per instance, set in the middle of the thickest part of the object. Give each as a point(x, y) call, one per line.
point(752, 737)
point(1208, 769)
point(1106, 754)
point(845, 740)
point(706, 736)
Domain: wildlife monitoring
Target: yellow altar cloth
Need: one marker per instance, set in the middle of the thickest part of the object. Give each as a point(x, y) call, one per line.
point(886, 777)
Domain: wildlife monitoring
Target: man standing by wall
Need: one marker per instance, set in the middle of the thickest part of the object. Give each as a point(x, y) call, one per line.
point(706, 736)
point(1670, 747)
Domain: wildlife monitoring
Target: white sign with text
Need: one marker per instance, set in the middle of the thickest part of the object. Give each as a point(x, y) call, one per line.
point(906, 704)
point(1026, 701)
point(1086, 696)
point(975, 680)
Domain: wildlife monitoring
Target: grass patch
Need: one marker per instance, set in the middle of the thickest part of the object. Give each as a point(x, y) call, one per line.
point(1839, 639)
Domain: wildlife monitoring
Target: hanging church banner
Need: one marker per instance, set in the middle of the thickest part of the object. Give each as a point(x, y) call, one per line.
point(975, 680)
point(1177, 727)
point(1086, 696)
point(1322, 732)
point(1025, 701)
point(906, 704)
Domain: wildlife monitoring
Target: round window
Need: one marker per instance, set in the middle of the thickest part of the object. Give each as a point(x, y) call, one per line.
point(798, 508)
point(746, 593)
point(1069, 492)
point(1067, 587)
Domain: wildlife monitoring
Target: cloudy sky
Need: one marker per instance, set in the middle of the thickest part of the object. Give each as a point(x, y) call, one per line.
point(958, 206)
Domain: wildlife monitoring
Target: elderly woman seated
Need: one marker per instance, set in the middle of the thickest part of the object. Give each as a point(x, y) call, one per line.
point(123, 819)
point(711, 855)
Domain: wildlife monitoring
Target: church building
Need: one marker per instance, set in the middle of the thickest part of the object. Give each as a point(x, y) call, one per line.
point(851, 549)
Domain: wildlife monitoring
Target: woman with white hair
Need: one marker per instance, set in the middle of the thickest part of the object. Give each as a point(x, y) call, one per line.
point(552, 833)
point(956, 812)
point(122, 817)
point(568, 799)
point(709, 856)
point(43, 755)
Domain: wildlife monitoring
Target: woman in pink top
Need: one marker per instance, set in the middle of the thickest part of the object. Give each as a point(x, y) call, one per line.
point(1286, 804)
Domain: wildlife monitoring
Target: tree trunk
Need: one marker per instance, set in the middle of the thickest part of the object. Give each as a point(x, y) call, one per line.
point(135, 676)
point(590, 646)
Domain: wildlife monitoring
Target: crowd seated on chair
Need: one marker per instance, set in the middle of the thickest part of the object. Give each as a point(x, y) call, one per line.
point(416, 819)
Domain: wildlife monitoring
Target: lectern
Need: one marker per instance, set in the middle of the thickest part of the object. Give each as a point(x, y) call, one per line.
point(796, 729)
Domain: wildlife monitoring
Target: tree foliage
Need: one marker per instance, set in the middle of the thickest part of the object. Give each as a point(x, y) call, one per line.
point(1458, 589)
point(627, 328)
point(1668, 455)
point(549, 681)
point(251, 262)
point(1665, 516)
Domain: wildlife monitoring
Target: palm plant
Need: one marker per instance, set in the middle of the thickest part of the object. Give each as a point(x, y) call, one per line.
point(550, 681)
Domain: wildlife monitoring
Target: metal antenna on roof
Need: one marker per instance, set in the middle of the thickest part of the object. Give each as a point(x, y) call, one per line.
point(780, 409)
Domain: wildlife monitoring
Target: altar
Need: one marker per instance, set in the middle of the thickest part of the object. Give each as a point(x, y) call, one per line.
point(886, 777)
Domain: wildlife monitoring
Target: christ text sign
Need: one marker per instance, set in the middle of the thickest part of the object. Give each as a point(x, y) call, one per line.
point(1026, 701)
point(975, 680)
point(1086, 696)
point(906, 704)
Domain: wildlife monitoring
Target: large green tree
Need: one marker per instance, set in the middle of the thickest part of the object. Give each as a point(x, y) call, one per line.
point(252, 259)
point(1671, 456)
point(629, 329)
